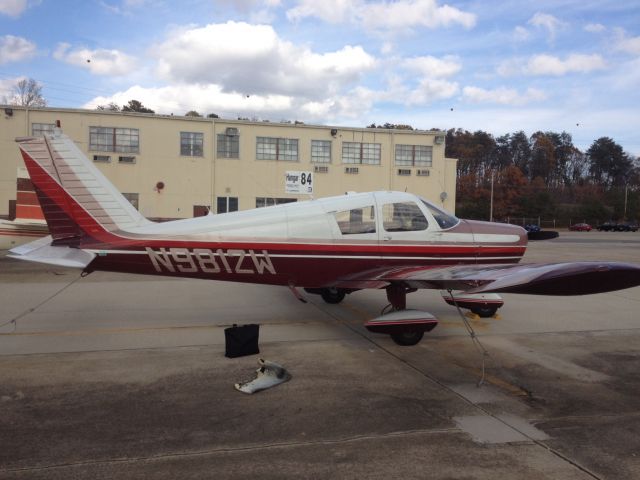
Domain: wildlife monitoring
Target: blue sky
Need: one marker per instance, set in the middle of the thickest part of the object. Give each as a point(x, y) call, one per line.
point(563, 65)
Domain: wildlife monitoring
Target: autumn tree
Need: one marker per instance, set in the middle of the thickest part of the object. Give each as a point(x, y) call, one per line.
point(509, 187)
point(608, 163)
point(543, 158)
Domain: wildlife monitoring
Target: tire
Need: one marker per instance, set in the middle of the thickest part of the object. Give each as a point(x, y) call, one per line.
point(332, 295)
point(407, 338)
point(485, 311)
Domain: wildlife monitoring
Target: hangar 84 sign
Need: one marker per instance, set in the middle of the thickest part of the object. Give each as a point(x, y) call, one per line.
point(298, 182)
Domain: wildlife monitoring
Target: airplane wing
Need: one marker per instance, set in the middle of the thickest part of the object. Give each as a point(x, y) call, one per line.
point(572, 278)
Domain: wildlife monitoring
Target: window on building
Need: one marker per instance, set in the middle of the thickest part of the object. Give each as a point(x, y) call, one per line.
point(191, 144)
point(126, 159)
point(403, 217)
point(133, 199)
point(356, 220)
point(321, 151)
point(101, 158)
point(227, 204)
point(229, 144)
point(269, 201)
point(285, 149)
point(108, 139)
point(39, 129)
point(365, 153)
point(414, 155)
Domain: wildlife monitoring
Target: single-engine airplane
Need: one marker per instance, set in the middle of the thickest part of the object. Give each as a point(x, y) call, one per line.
point(332, 246)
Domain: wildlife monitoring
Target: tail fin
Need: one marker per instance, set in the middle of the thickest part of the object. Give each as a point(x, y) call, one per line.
point(77, 199)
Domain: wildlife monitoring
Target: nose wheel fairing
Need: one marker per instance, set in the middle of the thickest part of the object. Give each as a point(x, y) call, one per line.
point(406, 327)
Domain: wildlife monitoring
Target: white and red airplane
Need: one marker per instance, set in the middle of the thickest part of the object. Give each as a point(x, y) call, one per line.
point(333, 246)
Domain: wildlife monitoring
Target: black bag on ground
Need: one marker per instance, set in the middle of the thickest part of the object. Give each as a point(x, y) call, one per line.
point(241, 340)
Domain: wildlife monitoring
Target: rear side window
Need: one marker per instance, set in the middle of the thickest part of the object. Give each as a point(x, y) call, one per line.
point(403, 217)
point(357, 220)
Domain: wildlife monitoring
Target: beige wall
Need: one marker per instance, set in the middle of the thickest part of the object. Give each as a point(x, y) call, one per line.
point(193, 181)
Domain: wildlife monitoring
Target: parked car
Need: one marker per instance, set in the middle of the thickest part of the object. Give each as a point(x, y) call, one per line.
point(531, 228)
point(606, 227)
point(626, 227)
point(580, 227)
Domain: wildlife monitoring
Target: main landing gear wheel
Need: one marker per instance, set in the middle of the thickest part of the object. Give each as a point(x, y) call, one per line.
point(332, 295)
point(485, 311)
point(407, 339)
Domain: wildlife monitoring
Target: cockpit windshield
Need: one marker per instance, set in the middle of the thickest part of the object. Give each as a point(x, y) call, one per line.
point(444, 219)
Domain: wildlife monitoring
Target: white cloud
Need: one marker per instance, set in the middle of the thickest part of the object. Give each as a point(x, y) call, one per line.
point(430, 90)
point(330, 11)
point(383, 15)
point(252, 59)
point(543, 64)
point(521, 34)
point(349, 106)
point(6, 88)
point(13, 8)
point(434, 67)
point(126, 7)
point(502, 95)
point(574, 63)
point(181, 98)
point(548, 22)
point(98, 62)
point(15, 49)
point(594, 27)
point(627, 44)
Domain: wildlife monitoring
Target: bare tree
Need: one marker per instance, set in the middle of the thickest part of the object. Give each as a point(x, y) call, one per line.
point(27, 93)
point(110, 107)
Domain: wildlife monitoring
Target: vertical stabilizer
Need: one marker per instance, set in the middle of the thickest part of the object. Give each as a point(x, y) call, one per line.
point(76, 198)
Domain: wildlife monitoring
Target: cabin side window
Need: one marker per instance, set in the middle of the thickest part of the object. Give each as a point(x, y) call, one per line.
point(403, 217)
point(357, 220)
point(444, 219)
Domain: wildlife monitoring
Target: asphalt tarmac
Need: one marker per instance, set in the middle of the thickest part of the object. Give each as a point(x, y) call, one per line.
point(124, 376)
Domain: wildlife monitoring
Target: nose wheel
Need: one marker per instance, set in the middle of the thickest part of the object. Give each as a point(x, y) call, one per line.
point(406, 338)
point(332, 295)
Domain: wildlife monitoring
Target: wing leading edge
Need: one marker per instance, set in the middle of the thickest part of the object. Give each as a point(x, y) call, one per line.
point(575, 278)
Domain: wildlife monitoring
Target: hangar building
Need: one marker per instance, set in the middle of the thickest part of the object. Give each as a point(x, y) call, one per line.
point(177, 167)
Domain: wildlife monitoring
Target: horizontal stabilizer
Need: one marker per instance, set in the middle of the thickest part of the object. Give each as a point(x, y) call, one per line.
point(43, 252)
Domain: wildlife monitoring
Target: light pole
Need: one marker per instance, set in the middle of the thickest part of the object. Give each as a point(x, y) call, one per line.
point(491, 201)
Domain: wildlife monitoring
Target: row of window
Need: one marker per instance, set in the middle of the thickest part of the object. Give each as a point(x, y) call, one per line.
point(127, 140)
point(396, 217)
